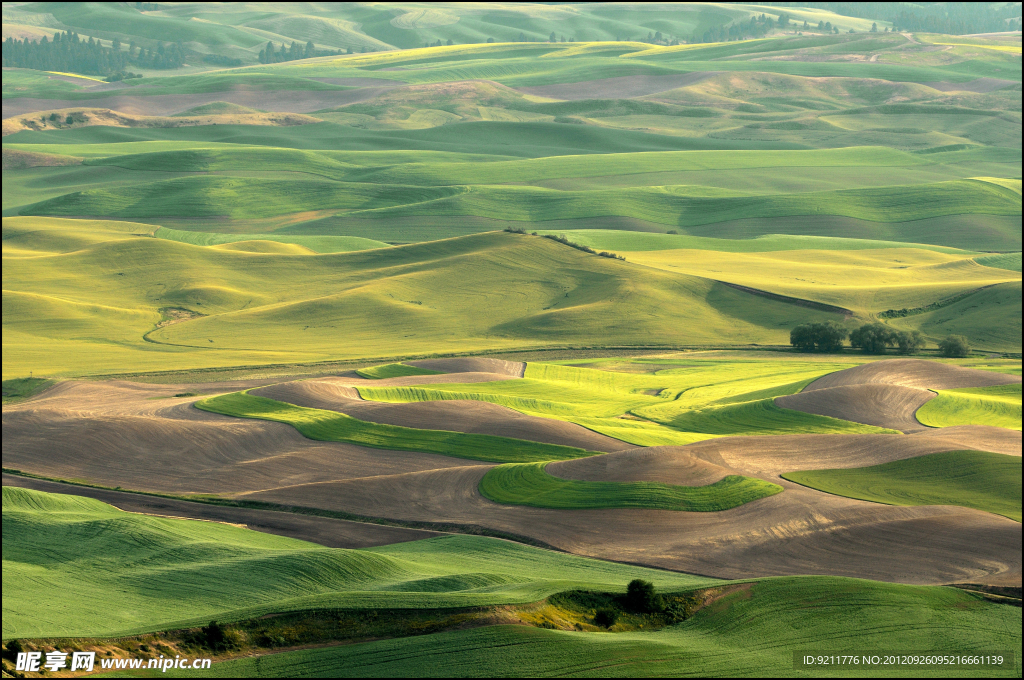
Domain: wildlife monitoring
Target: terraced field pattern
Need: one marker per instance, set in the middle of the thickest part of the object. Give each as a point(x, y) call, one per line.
point(402, 350)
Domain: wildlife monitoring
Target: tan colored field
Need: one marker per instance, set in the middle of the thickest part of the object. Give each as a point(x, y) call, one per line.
point(123, 434)
point(866, 281)
point(886, 393)
point(798, 531)
point(913, 373)
point(891, 406)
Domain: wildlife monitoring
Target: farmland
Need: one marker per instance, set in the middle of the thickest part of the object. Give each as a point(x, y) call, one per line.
point(396, 340)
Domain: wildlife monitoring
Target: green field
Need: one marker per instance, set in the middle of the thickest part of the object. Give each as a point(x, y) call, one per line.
point(751, 632)
point(145, 564)
point(331, 426)
point(973, 479)
point(670, 406)
point(85, 297)
point(999, 406)
point(398, 370)
point(529, 484)
point(316, 244)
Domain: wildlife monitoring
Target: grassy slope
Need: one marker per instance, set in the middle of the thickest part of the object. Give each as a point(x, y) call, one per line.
point(999, 406)
point(638, 241)
point(338, 427)
point(318, 244)
point(529, 484)
point(96, 302)
point(750, 633)
point(127, 572)
point(698, 401)
point(866, 281)
point(393, 371)
point(973, 479)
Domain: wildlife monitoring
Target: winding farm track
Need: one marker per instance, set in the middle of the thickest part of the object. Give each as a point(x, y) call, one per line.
point(887, 393)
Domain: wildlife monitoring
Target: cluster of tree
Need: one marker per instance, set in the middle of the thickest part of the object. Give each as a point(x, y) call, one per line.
point(272, 55)
point(147, 6)
point(872, 338)
point(757, 27)
point(438, 43)
point(69, 52)
point(953, 18)
point(876, 338)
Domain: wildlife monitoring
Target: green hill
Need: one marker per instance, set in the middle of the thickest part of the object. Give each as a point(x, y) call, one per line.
point(753, 631)
point(145, 563)
point(88, 310)
point(973, 479)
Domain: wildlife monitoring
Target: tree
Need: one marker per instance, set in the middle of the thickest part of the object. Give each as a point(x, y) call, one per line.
point(826, 336)
point(606, 617)
point(449, 43)
point(874, 27)
point(874, 338)
point(214, 634)
point(909, 341)
point(490, 40)
point(640, 596)
point(310, 50)
point(551, 38)
point(954, 346)
point(657, 36)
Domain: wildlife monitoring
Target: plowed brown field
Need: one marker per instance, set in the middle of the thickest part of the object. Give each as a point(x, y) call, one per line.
point(887, 393)
point(929, 375)
point(130, 435)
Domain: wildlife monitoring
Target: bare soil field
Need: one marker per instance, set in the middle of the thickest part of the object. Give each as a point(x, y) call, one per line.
point(624, 87)
point(891, 406)
point(912, 373)
point(141, 437)
point(333, 533)
point(800, 531)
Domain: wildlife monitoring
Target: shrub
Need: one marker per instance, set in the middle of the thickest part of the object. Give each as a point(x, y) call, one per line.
point(826, 336)
point(14, 648)
point(515, 230)
point(214, 634)
point(909, 341)
point(954, 346)
point(874, 338)
point(606, 617)
point(640, 597)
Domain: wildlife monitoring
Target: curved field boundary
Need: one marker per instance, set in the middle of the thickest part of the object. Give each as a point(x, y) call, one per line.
point(331, 426)
point(529, 484)
point(999, 406)
point(801, 302)
point(398, 370)
point(971, 479)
